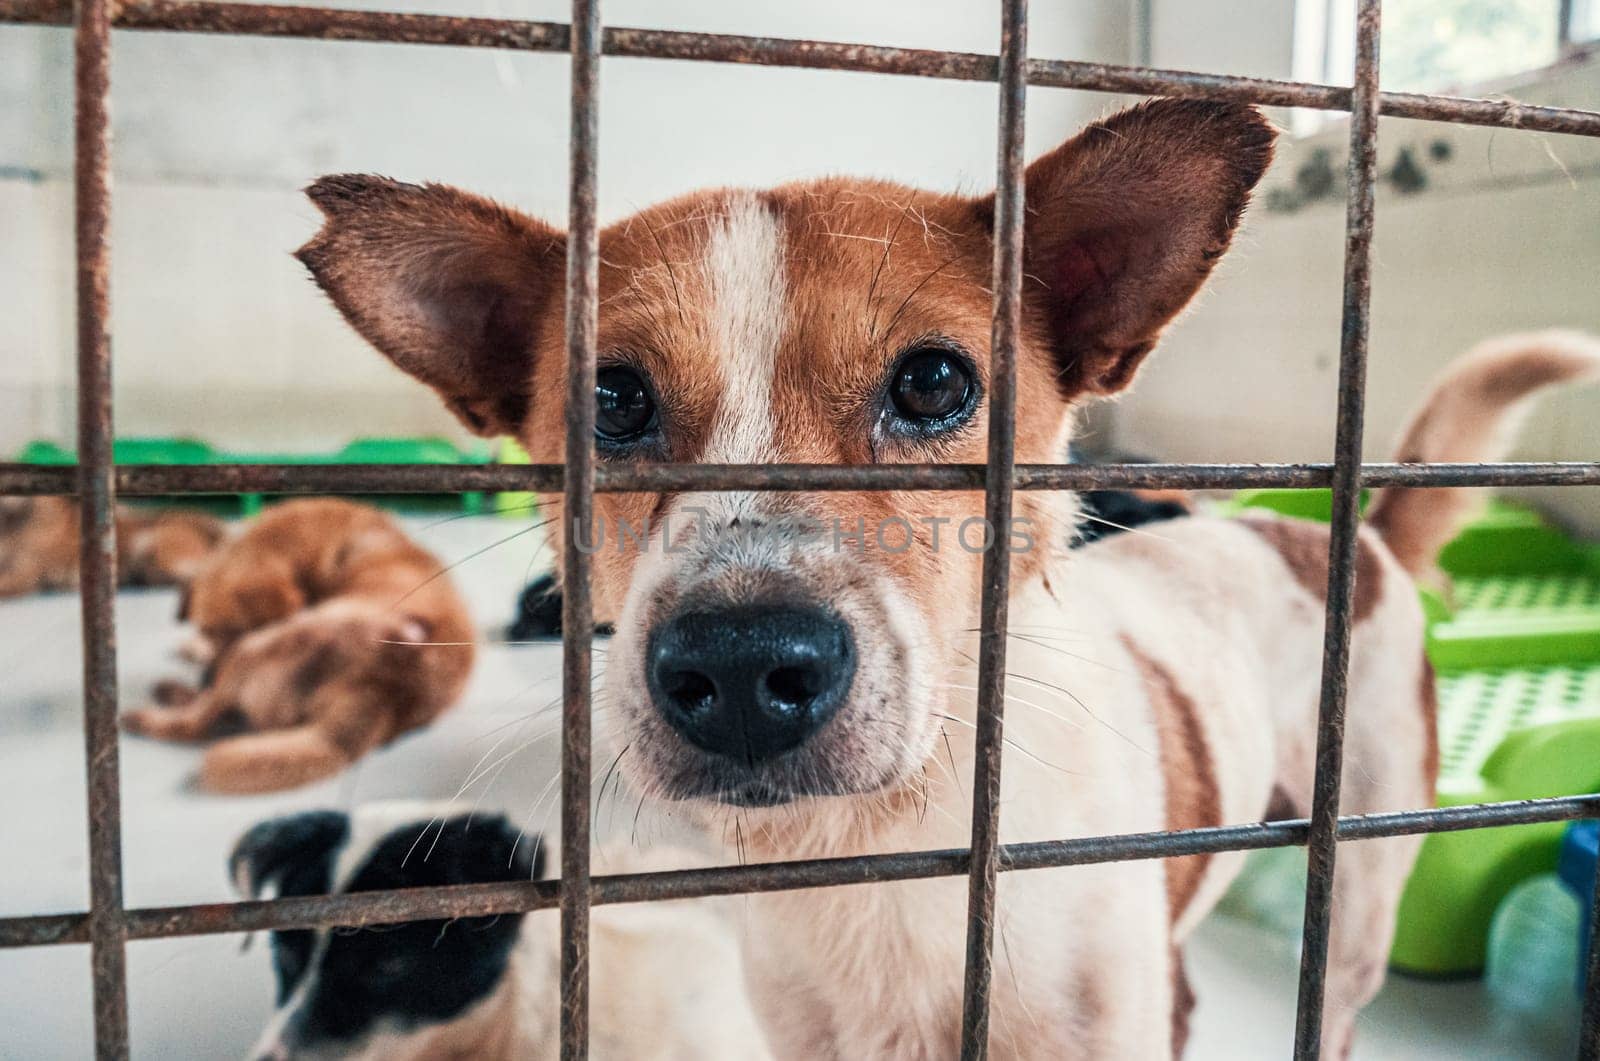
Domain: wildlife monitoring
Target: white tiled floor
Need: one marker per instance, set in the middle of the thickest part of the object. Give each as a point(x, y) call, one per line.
point(205, 997)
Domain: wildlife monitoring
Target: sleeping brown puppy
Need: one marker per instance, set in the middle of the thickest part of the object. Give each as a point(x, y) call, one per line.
point(39, 545)
point(329, 633)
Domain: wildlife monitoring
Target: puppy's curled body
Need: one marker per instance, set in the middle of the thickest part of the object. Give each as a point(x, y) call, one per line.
point(330, 633)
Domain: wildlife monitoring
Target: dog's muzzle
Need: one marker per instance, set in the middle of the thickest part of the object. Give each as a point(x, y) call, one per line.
point(750, 683)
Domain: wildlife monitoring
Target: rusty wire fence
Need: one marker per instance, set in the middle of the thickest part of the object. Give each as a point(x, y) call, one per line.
point(108, 925)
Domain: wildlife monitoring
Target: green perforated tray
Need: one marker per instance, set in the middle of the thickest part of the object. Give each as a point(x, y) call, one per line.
point(1519, 620)
point(1485, 715)
point(1522, 732)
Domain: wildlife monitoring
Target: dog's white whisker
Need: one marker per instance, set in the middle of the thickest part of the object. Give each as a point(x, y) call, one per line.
point(1013, 744)
point(1030, 639)
point(528, 821)
point(555, 500)
point(1125, 528)
point(445, 570)
point(1014, 698)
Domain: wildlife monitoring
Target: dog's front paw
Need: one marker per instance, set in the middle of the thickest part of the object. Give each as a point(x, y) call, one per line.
point(167, 723)
point(198, 649)
point(142, 721)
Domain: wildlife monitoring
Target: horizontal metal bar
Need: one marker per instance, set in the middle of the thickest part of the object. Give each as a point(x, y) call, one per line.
point(270, 20)
point(159, 480)
point(43, 930)
point(479, 900)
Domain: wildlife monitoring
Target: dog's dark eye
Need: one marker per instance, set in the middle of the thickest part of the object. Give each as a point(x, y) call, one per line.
point(624, 408)
point(930, 386)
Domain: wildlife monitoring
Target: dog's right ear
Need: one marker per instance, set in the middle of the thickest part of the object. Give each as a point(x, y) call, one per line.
point(294, 853)
point(451, 287)
point(1124, 223)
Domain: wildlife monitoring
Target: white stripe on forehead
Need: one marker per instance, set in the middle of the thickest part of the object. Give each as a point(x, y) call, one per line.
point(744, 277)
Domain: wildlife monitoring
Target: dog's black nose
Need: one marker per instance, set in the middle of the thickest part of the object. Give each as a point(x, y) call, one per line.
point(749, 683)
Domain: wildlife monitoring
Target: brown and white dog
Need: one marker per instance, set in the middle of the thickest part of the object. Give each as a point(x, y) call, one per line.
point(811, 694)
point(39, 539)
point(329, 631)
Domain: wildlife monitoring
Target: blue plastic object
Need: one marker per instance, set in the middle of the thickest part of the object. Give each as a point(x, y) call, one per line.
point(1580, 854)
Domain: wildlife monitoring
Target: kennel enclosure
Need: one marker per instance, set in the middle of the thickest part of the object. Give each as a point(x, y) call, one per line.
point(108, 924)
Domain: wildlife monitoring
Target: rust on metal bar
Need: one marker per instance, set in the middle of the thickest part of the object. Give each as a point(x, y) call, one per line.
point(577, 614)
point(151, 480)
point(1005, 333)
point(353, 909)
point(317, 23)
point(1322, 846)
point(97, 559)
point(43, 930)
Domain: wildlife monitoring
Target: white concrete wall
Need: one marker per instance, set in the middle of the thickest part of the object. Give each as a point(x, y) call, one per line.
point(218, 332)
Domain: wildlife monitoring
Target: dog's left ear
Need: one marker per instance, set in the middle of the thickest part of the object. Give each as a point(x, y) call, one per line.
point(1124, 223)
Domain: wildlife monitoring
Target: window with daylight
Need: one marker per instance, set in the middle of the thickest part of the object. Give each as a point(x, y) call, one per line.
point(1438, 45)
point(1582, 24)
point(1430, 45)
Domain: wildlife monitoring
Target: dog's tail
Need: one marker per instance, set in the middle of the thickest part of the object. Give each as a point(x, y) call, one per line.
point(1472, 413)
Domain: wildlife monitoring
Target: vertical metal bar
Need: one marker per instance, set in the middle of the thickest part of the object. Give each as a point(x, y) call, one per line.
point(998, 485)
point(577, 616)
point(1589, 1026)
point(1362, 177)
point(97, 559)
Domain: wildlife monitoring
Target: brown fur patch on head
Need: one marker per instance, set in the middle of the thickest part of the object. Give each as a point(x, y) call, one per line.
point(868, 270)
point(1194, 800)
point(1303, 547)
